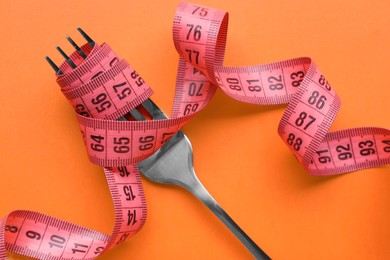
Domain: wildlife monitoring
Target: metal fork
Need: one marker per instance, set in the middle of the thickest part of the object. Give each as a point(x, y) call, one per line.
point(173, 162)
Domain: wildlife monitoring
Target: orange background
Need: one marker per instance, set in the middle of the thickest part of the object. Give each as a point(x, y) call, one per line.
point(238, 155)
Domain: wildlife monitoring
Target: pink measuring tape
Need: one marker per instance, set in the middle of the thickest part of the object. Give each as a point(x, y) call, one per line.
point(104, 87)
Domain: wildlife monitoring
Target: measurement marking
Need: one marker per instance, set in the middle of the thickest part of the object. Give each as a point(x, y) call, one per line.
point(284, 81)
point(261, 84)
point(108, 95)
point(66, 243)
point(220, 82)
point(353, 152)
point(43, 237)
point(127, 81)
point(104, 70)
point(16, 239)
point(106, 144)
point(327, 91)
point(196, 80)
point(196, 43)
point(314, 162)
point(89, 248)
point(128, 231)
point(312, 137)
point(376, 148)
point(308, 105)
point(330, 152)
point(85, 105)
point(134, 207)
point(126, 183)
point(241, 83)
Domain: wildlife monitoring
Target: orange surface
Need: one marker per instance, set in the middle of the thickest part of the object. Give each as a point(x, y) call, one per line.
point(238, 155)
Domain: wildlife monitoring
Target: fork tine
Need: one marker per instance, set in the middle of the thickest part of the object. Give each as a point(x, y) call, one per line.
point(66, 57)
point(54, 66)
point(154, 111)
point(78, 49)
point(151, 108)
point(86, 37)
point(147, 104)
point(137, 115)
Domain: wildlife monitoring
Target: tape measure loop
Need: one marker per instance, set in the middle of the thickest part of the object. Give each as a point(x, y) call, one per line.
point(312, 102)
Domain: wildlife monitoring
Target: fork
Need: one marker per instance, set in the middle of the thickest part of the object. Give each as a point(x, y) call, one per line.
point(173, 162)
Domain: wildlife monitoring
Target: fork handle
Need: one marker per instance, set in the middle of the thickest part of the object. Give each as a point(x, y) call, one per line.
point(204, 196)
point(256, 251)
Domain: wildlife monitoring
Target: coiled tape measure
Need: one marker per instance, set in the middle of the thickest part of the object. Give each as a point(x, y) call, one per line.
point(102, 87)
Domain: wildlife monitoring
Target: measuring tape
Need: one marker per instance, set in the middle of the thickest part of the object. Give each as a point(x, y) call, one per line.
point(104, 87)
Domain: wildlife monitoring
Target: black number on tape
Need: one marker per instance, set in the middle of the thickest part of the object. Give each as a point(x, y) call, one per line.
point(316, 99)
point(253, 88)
point(138, 80)
point(324, 82)
point(33, 235)
point(195, 31)
point(344, 152)
point(128, 191)
point(98, 250)
point(234, 84)
point(323, 158)
point(123, 238)
point(301, 120)
point(191, 54)
point(101, 101)
point(297, 78)
point(131, 217)
point(57, 241)
point(366, 148)
point(200, 10)
point(166, 137)
point(295, 143)
point(386, 148)
point(123, 171)
point(190, 107)
point(122, 146)
point(194, 90)
point(121, 93)
point(146, 142)
point(98, 147)
point(12, 229)
point(276, 82)
point(80, 109)
point(79, 248)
